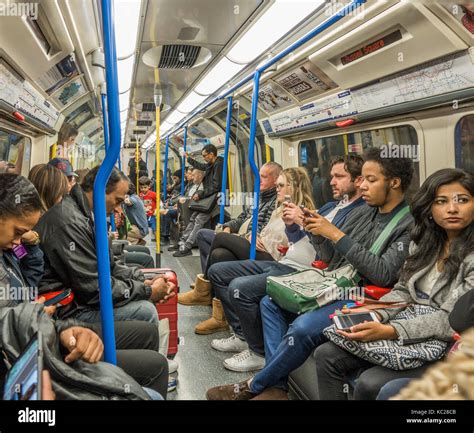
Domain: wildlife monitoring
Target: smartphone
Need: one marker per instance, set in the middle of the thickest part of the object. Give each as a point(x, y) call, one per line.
point(307, 214)
point(23, 381)
point(58, 298)
point(346, 321)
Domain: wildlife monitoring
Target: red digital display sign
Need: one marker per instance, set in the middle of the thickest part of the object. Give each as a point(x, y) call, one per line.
point(372, 47)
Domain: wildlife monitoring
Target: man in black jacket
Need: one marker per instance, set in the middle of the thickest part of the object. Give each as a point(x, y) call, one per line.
point(68, 242)
point(212, 184)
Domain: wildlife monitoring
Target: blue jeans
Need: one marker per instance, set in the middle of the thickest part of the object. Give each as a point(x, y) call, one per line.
point(204, 240)
point(155, 395)
point(152, 224)
point(392, 388)
point(135, 310)
point(289, 340)
point(166, 221)
point(240, 285)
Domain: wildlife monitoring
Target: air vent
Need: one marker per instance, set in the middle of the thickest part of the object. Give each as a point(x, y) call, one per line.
point(139, 132)
point(176, 56)
point(148, 107)
point(145, 123)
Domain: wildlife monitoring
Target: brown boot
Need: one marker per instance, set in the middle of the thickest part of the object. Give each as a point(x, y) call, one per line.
point(272, 394)
point(200, 295)
point(238, 391)
point(216, 323)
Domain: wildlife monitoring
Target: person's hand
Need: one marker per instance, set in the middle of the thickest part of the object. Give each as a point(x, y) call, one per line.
point(47, 392)
point(195, 197)
point(115, 235)
point(161, 289)
point(292, 214)
point(163, 211)
point(260, 245)
point(29, 237)
point(320, 226)
point(370, 331)
point(182, 200)
point(127, 201)
point(226, 230)
point(82, 343)
point(48, 310)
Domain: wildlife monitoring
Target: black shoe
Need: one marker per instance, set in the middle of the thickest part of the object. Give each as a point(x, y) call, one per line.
point(165, 241)
point(183, 253)
point(173, 248)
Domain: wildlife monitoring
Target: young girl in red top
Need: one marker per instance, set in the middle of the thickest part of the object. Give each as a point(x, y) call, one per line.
point(149, 201)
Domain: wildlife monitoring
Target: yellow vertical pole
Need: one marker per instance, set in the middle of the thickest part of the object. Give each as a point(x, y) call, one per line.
point(158, 177)
point(137, 163)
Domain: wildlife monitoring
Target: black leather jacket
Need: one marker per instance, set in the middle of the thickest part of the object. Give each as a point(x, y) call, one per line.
point(68, 243)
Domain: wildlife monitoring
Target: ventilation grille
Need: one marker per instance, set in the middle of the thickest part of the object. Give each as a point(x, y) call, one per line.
point(144, 123)
point(148, 106)
point(138, 132)
point(178, 56)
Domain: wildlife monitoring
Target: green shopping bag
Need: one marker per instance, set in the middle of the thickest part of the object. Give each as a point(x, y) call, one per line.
point(303, 291)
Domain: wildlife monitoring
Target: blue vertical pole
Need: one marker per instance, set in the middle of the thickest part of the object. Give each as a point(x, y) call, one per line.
point(106, 145)
point(100, 211)
point(256, 174)
point(226, 159)
point(183, 162)
point(165, 175)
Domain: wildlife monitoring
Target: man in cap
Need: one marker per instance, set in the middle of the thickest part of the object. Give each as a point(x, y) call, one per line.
point(65, 166)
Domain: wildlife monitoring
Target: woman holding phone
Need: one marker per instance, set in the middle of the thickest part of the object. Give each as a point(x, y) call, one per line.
point(438, 271)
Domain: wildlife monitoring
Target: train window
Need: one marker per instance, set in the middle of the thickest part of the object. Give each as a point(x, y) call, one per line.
point(465, 143)
point(14, 153)
point(316, 154)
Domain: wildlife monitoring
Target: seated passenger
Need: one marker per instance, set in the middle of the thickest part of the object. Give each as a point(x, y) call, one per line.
point(136, 214)
point(211, 187)
point(17, 217)
point(226, 247)
point(346, 178)
point(65, 166)
point(241, 284)
point(177, 207)
point(383, 189)
point(242, 226)
point(68, 241)
point(438, 273)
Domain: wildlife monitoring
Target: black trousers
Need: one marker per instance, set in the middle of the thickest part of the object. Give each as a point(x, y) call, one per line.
point(137, 344)
point(334, 365)
point(138, 255)
point(227, 247)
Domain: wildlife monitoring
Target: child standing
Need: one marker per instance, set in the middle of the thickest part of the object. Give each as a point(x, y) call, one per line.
point(149, 201)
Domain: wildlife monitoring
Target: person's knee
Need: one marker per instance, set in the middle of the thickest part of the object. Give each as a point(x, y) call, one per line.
point(323, 355)
point(140, 310)
point(149, 335)
point(368, 386)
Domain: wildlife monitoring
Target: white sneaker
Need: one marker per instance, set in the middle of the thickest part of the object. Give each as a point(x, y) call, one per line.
point(172, 366)
point(245, 361)
point(231, 344)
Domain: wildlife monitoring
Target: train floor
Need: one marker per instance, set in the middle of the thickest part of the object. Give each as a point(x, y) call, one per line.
point(200, 366)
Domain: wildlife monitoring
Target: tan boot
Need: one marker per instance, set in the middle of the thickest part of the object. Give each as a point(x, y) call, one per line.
point(216, 323)
point(200, 295)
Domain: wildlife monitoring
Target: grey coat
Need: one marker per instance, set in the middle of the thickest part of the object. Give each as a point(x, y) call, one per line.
point(443, 296)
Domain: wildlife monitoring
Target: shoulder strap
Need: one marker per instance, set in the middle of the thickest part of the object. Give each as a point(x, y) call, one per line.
point(387, 231)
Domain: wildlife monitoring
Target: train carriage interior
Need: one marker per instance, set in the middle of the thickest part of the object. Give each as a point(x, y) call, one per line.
point(204, 96)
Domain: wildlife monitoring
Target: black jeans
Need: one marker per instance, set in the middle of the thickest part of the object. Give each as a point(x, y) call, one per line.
point(227, 247)
point(137, 345)
point(334, 365)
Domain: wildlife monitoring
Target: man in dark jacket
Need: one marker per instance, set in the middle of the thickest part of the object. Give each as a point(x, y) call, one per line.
point(68, 242)
point(212, 184)
point(269, 173)
point(132, 169)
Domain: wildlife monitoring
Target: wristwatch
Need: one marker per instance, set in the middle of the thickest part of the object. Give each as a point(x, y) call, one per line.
point(36, 240)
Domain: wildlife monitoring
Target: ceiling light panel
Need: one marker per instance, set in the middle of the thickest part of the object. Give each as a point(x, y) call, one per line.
point(275, 23)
